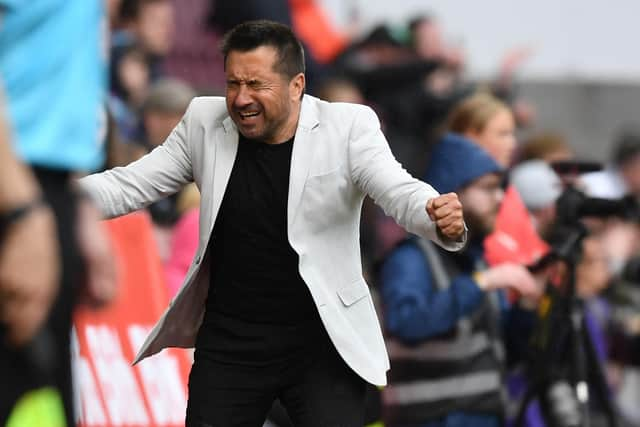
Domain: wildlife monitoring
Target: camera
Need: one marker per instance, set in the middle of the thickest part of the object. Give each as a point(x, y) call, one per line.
point(572, 205)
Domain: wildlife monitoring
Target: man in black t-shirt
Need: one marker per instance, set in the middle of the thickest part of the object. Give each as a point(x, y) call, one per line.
point(275, 302)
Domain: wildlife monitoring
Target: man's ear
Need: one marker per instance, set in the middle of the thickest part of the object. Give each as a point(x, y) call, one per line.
point(297, 86)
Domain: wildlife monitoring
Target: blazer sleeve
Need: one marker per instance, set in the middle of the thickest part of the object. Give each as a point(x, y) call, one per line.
point(162, 172)
point(377, 173)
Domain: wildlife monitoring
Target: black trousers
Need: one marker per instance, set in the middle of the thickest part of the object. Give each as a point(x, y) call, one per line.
point(317, 390)
point(46, 361)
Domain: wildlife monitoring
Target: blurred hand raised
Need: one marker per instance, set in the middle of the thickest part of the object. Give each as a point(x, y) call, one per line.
point(512, 276)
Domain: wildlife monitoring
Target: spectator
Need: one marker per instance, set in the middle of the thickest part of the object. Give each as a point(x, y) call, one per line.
point(338, 89)
point(428, 43)
point(120, 152)
point(539, 188)
point(622, 177)
point(162, 109)
point(148, 23)
point(415, 106)
point(441, 310)
point(488, 122)
point(143, 37)
point(130, 77)
point(620, 242)
point(547, 146)
point(619, 179)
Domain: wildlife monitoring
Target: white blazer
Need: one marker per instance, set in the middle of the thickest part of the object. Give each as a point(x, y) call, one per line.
point(339, 156)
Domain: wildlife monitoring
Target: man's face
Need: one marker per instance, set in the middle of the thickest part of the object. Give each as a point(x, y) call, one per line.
point(481, 200)
point(263, 103)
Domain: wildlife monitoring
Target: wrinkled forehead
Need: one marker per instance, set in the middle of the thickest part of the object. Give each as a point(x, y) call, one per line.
point(264, 56)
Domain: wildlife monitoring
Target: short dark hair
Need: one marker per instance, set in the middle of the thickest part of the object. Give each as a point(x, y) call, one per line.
point(254, 34)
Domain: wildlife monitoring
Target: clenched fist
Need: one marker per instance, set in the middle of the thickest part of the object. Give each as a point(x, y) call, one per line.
point(446, 211)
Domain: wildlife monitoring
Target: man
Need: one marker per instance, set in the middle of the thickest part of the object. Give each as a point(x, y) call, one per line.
point(441, 310)
point(276, 284)
point(162, 109)
point(52, 104)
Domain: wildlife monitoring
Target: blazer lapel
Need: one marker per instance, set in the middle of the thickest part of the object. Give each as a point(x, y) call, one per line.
point(302, 156)
point(226, 150)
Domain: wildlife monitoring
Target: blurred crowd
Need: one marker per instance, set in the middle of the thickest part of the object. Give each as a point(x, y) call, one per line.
point(163, 53)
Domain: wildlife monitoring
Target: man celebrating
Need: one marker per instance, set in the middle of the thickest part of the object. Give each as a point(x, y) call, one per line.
point(274, 301)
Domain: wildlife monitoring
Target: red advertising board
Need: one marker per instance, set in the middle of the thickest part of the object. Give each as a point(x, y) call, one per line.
point(109, 390)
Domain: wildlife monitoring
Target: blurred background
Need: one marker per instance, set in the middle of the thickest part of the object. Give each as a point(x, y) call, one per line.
point(581, 75)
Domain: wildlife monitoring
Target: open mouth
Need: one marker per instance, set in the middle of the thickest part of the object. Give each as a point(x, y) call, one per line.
point(248, 114)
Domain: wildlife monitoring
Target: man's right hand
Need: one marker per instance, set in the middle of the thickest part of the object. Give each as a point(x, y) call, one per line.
point(513, 276)
point(29, 274)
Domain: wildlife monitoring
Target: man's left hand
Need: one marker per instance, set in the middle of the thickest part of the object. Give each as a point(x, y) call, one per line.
point(446, 211)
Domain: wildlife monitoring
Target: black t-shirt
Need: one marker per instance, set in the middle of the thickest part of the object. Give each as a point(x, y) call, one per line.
point(258, 306)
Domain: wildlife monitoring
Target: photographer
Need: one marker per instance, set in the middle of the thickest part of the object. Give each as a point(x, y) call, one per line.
point(621, 242)
point(570, 343)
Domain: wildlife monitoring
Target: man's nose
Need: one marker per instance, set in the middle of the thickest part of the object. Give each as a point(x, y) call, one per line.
point(243, 97)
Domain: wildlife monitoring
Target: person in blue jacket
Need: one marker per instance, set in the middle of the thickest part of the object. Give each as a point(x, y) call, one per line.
point(442, 310)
